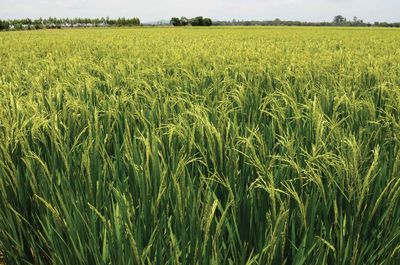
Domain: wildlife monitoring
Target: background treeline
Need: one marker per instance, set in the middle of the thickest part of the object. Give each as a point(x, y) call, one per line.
point(49, 23)
point(52, 23)
point(337, 21)
point(197, 21)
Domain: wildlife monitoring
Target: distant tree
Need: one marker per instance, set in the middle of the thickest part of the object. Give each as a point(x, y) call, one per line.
point(339, 19)
point(18, 26)
point(175, 21)
point(197, 21)
point(38, 23)
point(111, 22)
point(207, 22)
point(277, 21)
point(3, 25)
point(184, 21)
point(384, 24)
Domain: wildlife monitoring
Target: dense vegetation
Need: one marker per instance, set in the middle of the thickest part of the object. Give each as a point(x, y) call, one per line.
point(197, 21)
point(337, 21)
point(51, 23)
point(200, 146)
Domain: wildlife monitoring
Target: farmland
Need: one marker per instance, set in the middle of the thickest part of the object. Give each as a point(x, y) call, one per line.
point(262, 145)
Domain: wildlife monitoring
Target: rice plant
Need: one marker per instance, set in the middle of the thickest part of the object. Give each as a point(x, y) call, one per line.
point(200, 146)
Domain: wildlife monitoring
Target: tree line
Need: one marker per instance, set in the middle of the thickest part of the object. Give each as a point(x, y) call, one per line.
point(338, 20)
point(50, 23)
point(196, 21)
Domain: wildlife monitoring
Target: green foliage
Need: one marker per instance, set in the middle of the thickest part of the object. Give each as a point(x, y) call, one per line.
point(196, 22)
point(200, 146)
point(4, 25)
point(176, 22)
point(278, 22)
point(53, 23)
point(339, 19)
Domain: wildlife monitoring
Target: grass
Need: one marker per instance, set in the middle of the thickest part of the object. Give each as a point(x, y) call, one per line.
point(200, 146)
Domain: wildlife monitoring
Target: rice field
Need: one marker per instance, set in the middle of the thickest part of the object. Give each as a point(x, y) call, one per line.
point(262, 145)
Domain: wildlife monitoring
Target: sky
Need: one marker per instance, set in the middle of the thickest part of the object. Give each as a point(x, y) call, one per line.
point(154, 10)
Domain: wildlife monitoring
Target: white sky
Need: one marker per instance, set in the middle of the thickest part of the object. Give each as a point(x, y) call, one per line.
point(153, 10)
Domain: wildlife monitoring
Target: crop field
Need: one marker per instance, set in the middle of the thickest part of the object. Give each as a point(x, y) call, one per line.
point(253, 145)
